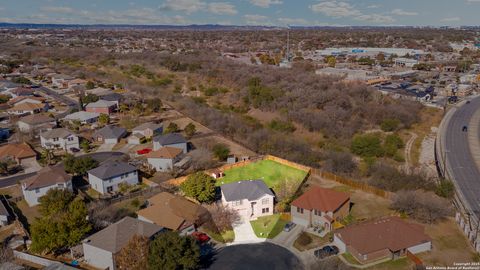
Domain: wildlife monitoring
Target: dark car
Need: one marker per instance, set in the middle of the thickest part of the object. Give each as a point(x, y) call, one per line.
point(289, 226)
point(464, 128)
point(468, 101)
point(326, 251)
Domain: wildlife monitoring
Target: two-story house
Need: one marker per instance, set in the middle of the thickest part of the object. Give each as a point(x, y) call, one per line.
point(36, 123)
point(172, 140)
point(148, 130)
point(320, 207)
point(107, 177)
point(59, 138)
point(250, 198)
point(47, 178)
point(163, 160)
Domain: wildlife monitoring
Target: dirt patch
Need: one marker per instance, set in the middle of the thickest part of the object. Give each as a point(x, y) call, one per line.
point(264, 117)
point(235, 148)
point(13, 191)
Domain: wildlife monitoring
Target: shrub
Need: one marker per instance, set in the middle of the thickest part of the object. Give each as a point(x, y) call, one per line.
point(282, 126)
point(221, 151)
point(390, 124)
point(304, 239)
point(367, 145)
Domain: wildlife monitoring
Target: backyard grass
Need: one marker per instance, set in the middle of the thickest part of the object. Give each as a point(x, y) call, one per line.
point(269, 171)
point(268, 226)
point(225, 237)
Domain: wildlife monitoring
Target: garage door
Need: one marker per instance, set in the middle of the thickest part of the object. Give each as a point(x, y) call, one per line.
point(300, 221)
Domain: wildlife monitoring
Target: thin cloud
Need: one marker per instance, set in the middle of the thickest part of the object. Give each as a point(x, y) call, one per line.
point(265, 3)
point(401, 12)
point(222, 8)
point(65, 10)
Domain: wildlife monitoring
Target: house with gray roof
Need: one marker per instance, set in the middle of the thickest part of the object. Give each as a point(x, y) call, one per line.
point(100, 248)
point(36, 123)
point(83, 117)
point(47, 178)
point(172, 140)
point(250, 198)
point(148, 130)
point(59, 138)
point(109, 134)
point(107, 177)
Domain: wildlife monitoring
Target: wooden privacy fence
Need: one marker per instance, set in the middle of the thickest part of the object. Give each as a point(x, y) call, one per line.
point(288, 163)
point(414, 258)
point(352, 183)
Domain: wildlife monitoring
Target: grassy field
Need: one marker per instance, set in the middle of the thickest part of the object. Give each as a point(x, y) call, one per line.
point(270, 172)
point(225, 237)
point(268, 226)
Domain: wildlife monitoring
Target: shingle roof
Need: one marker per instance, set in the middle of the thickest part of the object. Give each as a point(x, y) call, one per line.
point(116, 236)
point(111, 132)
point(172, 211)
point(47, 176)
point(149, 125)
point(82, 116)
point(57, 133)
point(112, 168)
point(112, 97)
point(165, 152)
point(21, 150)
point(391, 233)
point(325, 200)
point(249, 189)
point(27, 106)
point(101, 104)
point(36, 119)
point(170, 138)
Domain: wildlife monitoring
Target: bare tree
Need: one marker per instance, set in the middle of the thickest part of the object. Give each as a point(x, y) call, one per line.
point(134, 255)
point(422, 206)
point(202, 159)
point(222, 217)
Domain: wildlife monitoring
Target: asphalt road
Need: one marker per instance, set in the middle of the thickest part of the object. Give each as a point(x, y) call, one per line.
point(264, 256)
point(100, 157)
point(67, 101)
point(461, 163)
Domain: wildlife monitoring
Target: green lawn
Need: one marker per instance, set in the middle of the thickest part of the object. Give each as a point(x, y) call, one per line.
point(268, 226)
point(269, 171)
point(225, 237)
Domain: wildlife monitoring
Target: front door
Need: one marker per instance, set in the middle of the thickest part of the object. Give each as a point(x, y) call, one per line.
point(109, 189)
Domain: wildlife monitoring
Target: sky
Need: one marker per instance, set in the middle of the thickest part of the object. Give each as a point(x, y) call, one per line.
point(245, 12)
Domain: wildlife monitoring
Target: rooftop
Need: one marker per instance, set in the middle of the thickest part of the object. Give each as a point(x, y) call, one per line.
point(111, 132)
point(110, 169)
point(148, 125)
point(20, 150)
point(82, 116)
point(249, 189)
point(101, 104)
point(47, 176)
point(170, 138)
point(57, 133)
point(325, 200)
point(36, 119)
point(165, 152)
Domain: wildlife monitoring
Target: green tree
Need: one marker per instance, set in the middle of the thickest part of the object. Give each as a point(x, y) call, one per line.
point(445, 189)
point(169, 251)
point(172, 128)
point(89, 98)
point(79, 165)
point(154, 104)
point(221, 151)
point(391, 145)
point(331, 61)
point(123, 108)
point(22, 80)
point(367, 145)
point(4, 98)
point(199, 186)
point(190, 130)
point(48, 156)
point(90, 85)
point(104, 119)
point(390, 124)
point(63, 222)
point(85, 145)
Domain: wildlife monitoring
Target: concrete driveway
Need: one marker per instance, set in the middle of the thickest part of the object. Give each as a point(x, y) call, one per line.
point(244, 234)
point(106, 147)
point(286, 239)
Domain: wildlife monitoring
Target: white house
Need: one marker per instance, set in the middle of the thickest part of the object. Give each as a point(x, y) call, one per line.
point(107, 177)
point(47, 178)
point(59, 138)
point(250, 198)
point(83, 117)
point(164, 159)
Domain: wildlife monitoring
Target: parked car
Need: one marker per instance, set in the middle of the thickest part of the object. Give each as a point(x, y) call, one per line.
point(144, 151)
point(289, 226)
point(464, 128)
point(201, 237)
point(326, 251)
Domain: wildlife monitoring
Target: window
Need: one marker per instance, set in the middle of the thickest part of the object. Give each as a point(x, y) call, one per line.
point(60, 185)
point(237, 203)
point(265, 210)
point(317, 213)
point(299, 210)
point(70, 139)
point(265, 201)
point(37, 190)
point(55, 139)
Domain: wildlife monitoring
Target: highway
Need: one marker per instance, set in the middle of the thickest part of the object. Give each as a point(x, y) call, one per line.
point(457, 149)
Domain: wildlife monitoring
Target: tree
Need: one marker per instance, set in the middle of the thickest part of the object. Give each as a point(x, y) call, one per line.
point(445, 189)
point(390, 124)
point(104, 119)
point(331, 61)
point(63, 223)
point(47, 155)
point(85, 145)
point(123, 108)
point(367, 145)
point(422, 206)
point(79, 165)
point(171, 128)
point(89, 85)
point(4, 98)
point(169, 251)
point(154, 104)
point(221, 151)
point(392, 143)
point(224, 218)
point(133, 256)
point(190, 130)
point(199, 186)
point(22, 80)
point(89, 98)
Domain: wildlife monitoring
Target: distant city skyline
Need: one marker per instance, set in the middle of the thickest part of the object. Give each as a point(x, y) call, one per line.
point(245, 12)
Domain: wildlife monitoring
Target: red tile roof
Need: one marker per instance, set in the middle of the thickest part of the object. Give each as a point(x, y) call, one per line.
point(391, 233)
point(322, 199)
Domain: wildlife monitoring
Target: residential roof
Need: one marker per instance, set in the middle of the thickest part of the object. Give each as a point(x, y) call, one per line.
point(36, 119)
point(323, 199)
point(149, 125)
point(112, 97)
point(391, 233)
point(110, 132)
point(116, 236)
point(20, 98)
point(248, 189)
point(110, 169)
point(170, 138)
point(21, 91)
point(170, 211)
point(27, 106)
point(57, 133)
point(82, 116)
point(165, 152)
point(47, 176)
point(19, 150)
point(101, 104)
